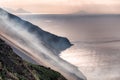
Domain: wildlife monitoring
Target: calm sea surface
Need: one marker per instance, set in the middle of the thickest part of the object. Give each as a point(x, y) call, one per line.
point(96, 39)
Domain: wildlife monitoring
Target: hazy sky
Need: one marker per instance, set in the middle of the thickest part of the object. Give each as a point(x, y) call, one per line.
point(64, 6)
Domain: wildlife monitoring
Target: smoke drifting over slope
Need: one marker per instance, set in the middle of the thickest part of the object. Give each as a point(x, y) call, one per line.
point(41, 46)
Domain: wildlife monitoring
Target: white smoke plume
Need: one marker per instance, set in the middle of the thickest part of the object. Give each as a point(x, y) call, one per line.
point(41, 46)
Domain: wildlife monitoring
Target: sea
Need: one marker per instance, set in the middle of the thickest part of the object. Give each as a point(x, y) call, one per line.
point(96, 39)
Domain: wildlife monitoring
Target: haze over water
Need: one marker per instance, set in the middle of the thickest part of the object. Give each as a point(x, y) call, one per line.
point(96, 40)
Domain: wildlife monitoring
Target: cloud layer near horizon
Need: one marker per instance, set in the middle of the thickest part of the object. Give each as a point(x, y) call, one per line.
point(64, 6)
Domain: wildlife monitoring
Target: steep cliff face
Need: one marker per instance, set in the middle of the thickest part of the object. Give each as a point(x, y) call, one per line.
point(12, 67)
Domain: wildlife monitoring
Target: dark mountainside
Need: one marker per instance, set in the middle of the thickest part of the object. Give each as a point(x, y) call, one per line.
point(55, 40)
point(12, 67)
